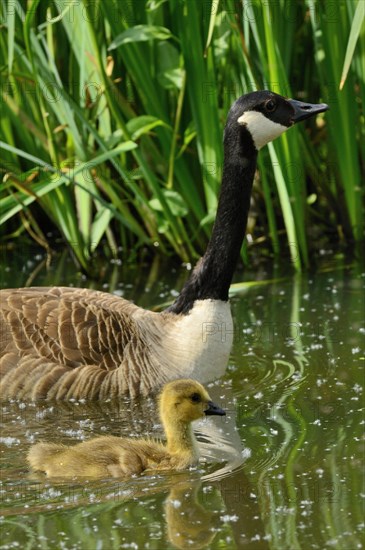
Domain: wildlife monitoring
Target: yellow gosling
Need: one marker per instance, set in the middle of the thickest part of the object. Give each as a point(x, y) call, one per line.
point(181, 402)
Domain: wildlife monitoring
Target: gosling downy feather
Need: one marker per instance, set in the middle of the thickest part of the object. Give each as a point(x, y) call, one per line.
point(63, 343)
point(181, 402)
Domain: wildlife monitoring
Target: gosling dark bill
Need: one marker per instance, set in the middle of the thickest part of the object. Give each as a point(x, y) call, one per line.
point(214, 409)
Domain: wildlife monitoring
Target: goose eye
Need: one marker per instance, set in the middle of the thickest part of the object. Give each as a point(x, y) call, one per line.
point(196, 398)
point(270, 105)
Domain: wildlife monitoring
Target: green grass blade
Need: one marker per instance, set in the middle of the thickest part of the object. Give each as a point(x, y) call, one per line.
point(81, 78)
point(286, 207)
point(357, 23)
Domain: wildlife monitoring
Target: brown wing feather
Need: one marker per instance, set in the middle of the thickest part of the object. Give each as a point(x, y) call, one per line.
point(70, 343)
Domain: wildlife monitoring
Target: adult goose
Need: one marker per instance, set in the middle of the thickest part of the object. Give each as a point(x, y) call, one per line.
point(71, 343)
point(181, 402)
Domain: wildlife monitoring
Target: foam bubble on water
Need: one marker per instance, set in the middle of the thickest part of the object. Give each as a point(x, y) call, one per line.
point(175, 503)
point(228, 518)
point(9, 441)
point(246, 453)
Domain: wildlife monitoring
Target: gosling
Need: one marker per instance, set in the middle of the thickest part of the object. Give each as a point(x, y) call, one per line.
point(181, 402)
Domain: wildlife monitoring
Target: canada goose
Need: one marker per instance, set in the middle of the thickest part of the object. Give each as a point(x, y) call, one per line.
point(181, 402)
point(63, 343)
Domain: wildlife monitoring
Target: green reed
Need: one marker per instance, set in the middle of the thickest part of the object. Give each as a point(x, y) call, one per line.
point(112, 116)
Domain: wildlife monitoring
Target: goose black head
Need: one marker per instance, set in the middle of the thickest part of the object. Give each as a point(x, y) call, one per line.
point(266, 115)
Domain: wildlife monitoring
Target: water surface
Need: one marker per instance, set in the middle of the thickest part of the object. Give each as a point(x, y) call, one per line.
point(283, 470)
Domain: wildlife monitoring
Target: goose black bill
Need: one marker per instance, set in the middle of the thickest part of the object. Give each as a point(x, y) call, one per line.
point(214, 409)
point(304, 110)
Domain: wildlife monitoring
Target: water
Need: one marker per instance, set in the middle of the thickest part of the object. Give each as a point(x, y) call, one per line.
point(283, 470)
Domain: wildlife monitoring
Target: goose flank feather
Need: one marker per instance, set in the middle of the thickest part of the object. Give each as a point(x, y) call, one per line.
point(70, 343)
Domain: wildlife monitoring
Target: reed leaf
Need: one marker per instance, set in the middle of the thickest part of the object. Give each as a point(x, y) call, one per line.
point(357, 23)
point(82, 79)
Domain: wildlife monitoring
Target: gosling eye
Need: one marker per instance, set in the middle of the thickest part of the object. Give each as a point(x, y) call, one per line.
point(270, 105)
point(196, 398)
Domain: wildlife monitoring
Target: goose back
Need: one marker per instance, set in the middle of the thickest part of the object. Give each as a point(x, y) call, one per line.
point(67, 343)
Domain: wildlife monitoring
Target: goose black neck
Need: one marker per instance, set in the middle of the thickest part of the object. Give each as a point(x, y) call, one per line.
point(213, 274)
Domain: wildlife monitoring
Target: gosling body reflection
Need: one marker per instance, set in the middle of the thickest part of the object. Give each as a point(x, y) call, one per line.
point(181, 402)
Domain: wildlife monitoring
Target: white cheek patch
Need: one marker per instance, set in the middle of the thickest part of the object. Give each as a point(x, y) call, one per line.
point(262, 129)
